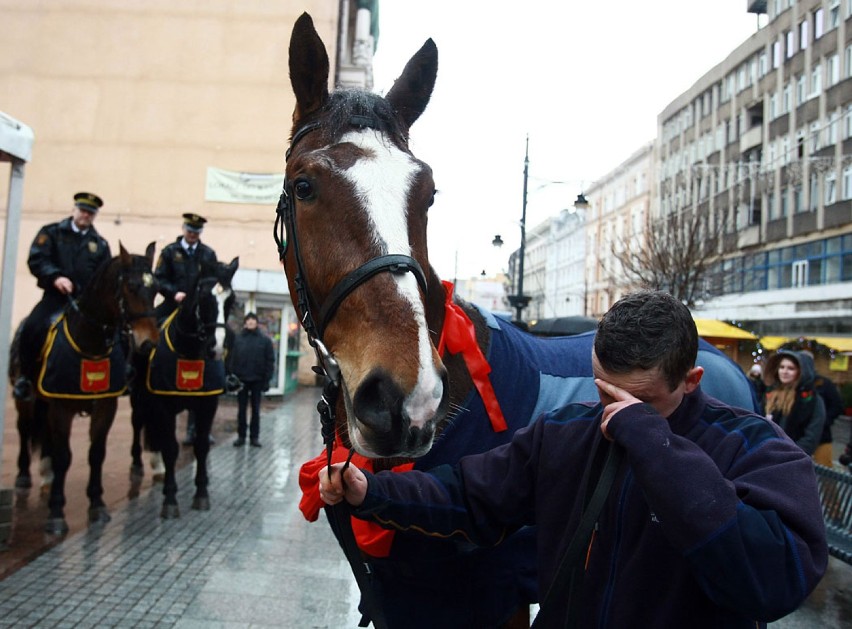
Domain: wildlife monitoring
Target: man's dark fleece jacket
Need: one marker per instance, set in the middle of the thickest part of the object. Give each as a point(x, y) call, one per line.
point(713, 520)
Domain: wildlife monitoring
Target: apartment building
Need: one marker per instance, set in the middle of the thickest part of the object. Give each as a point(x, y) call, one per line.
point(163, 108)
point(760, 148)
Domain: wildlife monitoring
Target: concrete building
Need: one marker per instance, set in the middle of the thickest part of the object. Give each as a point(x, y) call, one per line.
point(162, 108)
point(619, 208)
point(761, 148)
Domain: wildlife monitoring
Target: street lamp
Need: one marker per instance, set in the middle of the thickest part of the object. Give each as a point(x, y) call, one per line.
point(519, 301)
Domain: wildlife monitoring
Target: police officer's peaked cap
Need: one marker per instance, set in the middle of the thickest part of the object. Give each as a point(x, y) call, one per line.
point(194, 222)
point(88, 201)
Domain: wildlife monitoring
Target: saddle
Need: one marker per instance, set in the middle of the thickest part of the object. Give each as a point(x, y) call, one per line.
point(68, 373)
point(172, 374)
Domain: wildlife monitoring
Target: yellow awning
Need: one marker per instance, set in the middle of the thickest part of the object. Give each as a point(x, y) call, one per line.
point(837, 343)
point(713, 328)
point(773, 342)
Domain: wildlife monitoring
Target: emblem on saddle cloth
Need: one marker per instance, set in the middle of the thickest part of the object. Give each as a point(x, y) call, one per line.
point(169, 374)
point(67, 373)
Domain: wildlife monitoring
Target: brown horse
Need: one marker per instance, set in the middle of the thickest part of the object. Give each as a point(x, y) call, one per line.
point(416, 376)
point(82, 371)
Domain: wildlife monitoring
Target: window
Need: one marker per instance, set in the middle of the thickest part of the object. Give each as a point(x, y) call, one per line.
point(776, 54)
point(785, 204)
point(798, 199)
point(831, 131)
point(800, 273)
point(813, 138)
point(803, 35)
point(791, 43)
point(847, 183)
point(762, 65)
point(830, 188)
point(801, 89)
point(741, 77)
point(773, 106)
point(813, 193)
point(847, 122)
point(833, 14)
point(816, 81)
point(832, 70)
point(818, 24)
point(786, 99)
point(770, 206)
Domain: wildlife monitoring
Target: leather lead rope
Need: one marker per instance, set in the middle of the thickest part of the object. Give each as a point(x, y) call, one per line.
point(340, 514)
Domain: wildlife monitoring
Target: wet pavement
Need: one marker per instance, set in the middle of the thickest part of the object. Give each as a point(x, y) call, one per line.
point(251, 561)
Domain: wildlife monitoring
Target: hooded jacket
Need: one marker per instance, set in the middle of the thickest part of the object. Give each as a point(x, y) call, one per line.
point(804, 423)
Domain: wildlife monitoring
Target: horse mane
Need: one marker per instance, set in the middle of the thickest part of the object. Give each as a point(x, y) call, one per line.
point(344, 104)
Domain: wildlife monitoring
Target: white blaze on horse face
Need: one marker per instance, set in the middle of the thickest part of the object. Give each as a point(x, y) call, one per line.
point(382, 183)
point(222, 295)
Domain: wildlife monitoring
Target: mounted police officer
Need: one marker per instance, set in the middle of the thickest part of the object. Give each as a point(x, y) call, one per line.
point(177, 271)
point(63, 257)
point(180, 264)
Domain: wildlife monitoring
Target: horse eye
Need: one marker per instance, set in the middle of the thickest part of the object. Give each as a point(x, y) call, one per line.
point(432, 199)
point(303, 189)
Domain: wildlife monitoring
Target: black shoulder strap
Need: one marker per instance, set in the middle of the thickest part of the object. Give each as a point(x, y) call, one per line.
point(569, 575)
point(340, 514)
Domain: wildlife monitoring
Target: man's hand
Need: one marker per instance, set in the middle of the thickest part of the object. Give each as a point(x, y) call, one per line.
point(613, 399)
point(63, 285)
point(334, 490)
point(179, 296)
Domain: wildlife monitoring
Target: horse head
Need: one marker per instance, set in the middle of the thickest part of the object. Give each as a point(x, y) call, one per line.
point(137, 289)
point(224, 294)
point(355, 210)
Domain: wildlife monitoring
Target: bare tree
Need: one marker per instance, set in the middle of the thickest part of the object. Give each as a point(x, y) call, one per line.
point(674, 253)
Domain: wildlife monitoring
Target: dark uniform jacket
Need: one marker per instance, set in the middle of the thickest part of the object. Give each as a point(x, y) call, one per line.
point(177, 272)
point(60, 251)
point(251, 358)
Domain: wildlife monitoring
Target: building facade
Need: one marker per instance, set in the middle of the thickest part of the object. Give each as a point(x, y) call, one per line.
point(760, 148)
point(163, 108)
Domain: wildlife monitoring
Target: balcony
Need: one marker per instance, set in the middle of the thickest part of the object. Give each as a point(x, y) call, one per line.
point(751, 139)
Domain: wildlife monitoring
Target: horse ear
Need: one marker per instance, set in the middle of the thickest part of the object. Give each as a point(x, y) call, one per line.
point(411, 91)
point(149, 252)
point(308, 68)
point(125, 255)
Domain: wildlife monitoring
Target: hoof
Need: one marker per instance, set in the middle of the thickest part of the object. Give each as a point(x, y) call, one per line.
point(170, 512)
point(98, 515)
point(158, 478)
point(201, 503)
point(23, 482)
point(137, 472)
point(56, 526)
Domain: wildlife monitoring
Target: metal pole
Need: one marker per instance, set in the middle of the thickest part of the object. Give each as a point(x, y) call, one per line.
point(519, 305)
point(7, 282)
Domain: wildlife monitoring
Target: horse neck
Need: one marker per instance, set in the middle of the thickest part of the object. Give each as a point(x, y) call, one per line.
point(183, 332)
point(93, 321)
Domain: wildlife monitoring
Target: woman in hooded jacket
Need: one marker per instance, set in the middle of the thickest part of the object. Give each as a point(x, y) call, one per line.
point(791, 400)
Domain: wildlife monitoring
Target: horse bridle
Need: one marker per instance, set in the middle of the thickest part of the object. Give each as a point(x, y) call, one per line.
point(285, 216)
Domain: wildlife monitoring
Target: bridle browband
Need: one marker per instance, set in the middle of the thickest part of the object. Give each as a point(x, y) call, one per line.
point(286, 218)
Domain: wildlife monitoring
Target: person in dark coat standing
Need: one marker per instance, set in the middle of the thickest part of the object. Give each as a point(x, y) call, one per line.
point(177, 270)
point(252, 360)
point(791, 400)
point(833, 408)
point(180, 263)
point(63, 257)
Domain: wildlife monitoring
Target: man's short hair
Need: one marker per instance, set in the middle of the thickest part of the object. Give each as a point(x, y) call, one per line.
point(645, 330)
point(250, 315)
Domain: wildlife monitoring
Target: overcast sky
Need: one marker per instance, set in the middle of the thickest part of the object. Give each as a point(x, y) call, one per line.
point(586, 80)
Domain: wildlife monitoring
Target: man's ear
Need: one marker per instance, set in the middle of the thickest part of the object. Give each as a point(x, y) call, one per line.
point(693, 378)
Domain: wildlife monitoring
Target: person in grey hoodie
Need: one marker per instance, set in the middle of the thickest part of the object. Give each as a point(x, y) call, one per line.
point(791, 400)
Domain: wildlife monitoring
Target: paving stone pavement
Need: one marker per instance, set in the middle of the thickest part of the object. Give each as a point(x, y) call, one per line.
point(251, 561)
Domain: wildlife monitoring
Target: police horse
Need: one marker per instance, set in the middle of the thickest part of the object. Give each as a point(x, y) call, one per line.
point(82, 371)
point(184, 372)
point(415, 376)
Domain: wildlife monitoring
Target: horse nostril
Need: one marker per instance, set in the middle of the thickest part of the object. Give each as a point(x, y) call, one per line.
point(378, 403)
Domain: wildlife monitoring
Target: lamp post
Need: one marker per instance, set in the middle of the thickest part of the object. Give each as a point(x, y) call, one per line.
point(518, 300)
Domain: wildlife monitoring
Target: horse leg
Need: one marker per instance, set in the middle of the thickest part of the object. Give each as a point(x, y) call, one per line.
point(169, 449)
point(102, 416)
point(137, 469)
point(206, 410)
point(23, 482)
point(59, 435)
